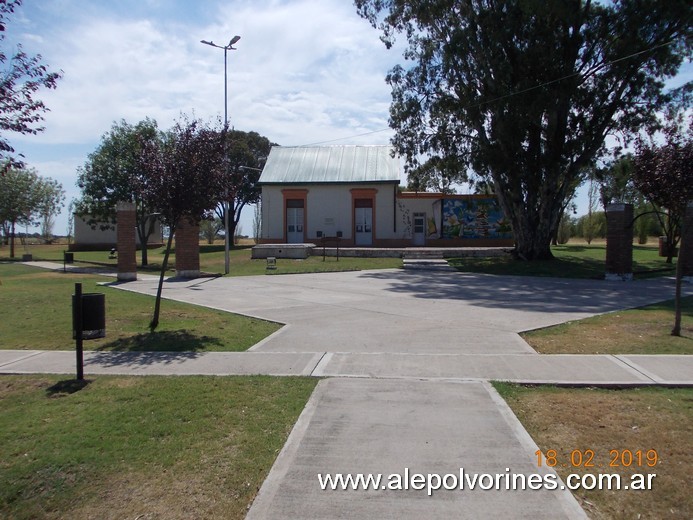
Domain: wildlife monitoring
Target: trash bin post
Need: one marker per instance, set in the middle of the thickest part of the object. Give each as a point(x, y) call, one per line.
point(77, 303)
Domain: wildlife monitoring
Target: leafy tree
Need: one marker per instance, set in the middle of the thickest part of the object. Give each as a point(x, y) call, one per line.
point(209, 229)
point(24, 197)
point(21, 77)
point(664, 174)
point(524, 92)
point(437, 174)
point(590, 224)
point(615, 181)
point(113, 173)
point(183, 179)
point(616, 184)
point(594, 226)
point(50, 196)
point(564, 229)
point(246, 156)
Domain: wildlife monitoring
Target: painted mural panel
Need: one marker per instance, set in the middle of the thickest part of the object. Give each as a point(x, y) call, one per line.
point(474, 218)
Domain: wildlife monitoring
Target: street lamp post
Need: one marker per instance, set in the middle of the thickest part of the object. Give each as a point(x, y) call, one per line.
point(226, 48)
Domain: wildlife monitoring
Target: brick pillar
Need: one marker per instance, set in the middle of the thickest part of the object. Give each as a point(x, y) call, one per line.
point(187, 249)
point(686, 245)
point(127, 242)
point(619, 242)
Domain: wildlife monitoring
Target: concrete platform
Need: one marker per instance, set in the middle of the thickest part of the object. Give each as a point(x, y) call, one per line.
point(297, 251)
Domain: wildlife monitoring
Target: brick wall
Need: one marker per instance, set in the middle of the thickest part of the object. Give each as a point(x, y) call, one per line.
point(619, 242)
point(187, 249)
point(127, 241)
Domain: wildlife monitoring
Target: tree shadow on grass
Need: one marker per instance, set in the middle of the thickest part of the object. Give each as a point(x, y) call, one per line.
point(66, 387)
point(163, 341)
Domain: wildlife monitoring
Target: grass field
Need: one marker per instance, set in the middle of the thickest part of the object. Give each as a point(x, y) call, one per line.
point(572, 421)
point(646, 330)
point(36, 306)
point(141, 447)
point(573, 260)
point(211, 260)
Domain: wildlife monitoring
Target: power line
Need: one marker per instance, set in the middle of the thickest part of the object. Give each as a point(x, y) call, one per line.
point(505, 96)
point(343, 138)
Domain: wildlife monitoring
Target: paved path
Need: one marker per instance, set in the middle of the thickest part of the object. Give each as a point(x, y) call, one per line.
point(408, 354)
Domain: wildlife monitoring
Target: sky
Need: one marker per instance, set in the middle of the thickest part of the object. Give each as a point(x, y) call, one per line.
point(304, 72)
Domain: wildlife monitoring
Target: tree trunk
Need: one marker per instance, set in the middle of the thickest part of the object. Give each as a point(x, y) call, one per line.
point(532, 242)
point(157, 304)
point(144, 239)
point(12, 241)
point(145, 259)
point(533, 222)
point(676, 331)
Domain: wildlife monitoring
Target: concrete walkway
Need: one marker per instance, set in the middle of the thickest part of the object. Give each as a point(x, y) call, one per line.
point(408, 355)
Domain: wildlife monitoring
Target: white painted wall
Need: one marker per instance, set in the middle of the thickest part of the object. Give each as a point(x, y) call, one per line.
point(406, 208)
point(85, 235)
point(328, 209)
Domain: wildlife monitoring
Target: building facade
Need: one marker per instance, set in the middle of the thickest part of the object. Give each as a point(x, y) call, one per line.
point(352, 193)
point(102, 236)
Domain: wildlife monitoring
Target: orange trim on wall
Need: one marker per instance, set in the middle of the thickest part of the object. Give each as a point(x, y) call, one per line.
point(300, 195)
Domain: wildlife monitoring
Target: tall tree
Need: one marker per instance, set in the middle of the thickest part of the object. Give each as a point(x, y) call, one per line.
point(524, 92)
point(246, 156)
point(50, 197)
point(184, 179)
point(664, 174)
point(19, 200)
point(113, 173)
point(615, 181)
point(20, 78)
point(437, 174)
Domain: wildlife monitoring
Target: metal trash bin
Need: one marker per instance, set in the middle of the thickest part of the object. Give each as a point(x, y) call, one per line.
point(93, 316)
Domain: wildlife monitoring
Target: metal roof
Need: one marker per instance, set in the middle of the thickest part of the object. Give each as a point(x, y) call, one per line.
point(330, 164)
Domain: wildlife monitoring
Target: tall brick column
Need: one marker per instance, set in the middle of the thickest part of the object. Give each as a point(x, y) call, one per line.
point(686, 245)
point(127, 241)
point(619, 242)
point(187, 249)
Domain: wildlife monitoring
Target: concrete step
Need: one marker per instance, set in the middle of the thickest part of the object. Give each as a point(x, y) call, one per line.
point(423, 254)
point(430, 264)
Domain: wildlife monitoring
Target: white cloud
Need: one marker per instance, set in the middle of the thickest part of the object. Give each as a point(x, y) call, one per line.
point(304, 71)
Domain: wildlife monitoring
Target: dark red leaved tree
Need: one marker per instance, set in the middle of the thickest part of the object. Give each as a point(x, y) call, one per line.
point(184, 180)
point(664, 175)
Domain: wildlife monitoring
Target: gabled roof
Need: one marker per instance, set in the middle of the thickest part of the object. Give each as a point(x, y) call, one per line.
point(330, 164)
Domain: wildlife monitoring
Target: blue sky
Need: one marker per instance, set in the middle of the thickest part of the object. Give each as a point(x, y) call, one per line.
point(304, 72)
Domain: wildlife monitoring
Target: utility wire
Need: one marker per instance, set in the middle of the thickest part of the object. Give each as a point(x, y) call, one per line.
point(506, 96)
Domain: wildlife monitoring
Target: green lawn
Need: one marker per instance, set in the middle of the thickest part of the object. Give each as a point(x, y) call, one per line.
point(646, 330)
point(211, 260)
point(141, 447)
point(37, 314)
point(572, 421)
point(578, 260)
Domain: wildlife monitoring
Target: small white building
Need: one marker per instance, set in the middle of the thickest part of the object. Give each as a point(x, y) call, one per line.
point(102, 236)
point(352, 192)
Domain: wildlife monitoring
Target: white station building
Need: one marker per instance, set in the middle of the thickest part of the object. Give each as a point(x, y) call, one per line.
point(352, 193)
